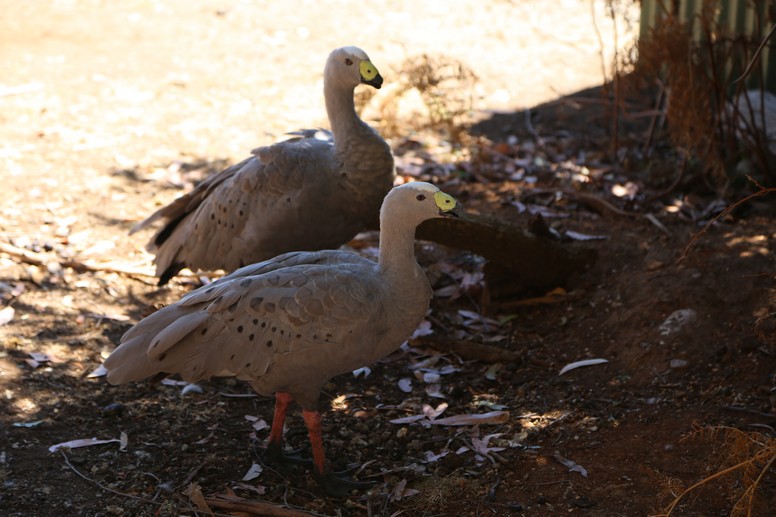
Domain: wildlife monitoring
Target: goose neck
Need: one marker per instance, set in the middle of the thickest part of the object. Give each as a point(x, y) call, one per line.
point(397, 251)
point(341, 110)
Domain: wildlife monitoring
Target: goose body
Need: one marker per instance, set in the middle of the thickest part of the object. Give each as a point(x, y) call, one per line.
point(289, 324)
point(314, 191)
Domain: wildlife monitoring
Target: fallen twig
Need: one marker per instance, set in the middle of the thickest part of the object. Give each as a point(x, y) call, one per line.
point(103, 487)
point(39, 259)
point(469, 350)
point(763, 191)
point(660, 226)
point(557, 295)
point(756, 55)
point(770, 416)
point(253, 507)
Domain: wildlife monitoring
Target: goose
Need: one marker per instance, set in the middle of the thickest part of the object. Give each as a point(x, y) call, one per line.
point(289, 324)
point(314, 191)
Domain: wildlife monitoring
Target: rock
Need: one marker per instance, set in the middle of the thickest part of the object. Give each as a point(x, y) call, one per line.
point(677, 364)
point(676, 321)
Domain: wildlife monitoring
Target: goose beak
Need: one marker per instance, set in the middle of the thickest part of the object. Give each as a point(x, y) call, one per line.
point(447, 205)
point(375, 82)
point(456, 212)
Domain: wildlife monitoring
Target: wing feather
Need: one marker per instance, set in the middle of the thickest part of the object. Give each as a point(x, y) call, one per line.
point(249, 325)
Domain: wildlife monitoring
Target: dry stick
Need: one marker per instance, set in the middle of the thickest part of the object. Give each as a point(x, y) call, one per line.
point(103, 487)
point(763, 191)
point(601, 205)
point(657, 119)
point(237, 504)
point(595, 202)
point(756, 482)
point(469, 350)
point(756, 55)
point(704, 481)
point(529, 127)
point(39, 259)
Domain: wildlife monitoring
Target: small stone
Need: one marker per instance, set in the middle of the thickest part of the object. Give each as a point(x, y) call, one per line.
point(142, 455)
point(677, 321)
point(112, 409)
point(677, 364)
point(167, 486)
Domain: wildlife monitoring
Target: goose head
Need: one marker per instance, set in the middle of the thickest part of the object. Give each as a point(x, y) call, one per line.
point(418, 201)
point(349, 67)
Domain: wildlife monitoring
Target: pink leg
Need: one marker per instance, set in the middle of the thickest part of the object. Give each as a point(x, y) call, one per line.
point(333, 485)
point(312, 420)
point(282, 401)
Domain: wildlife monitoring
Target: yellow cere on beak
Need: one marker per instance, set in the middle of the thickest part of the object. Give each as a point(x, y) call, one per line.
point(368, 70)
point(445, 202)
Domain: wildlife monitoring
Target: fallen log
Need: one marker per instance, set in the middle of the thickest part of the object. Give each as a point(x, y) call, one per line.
point(519, 260)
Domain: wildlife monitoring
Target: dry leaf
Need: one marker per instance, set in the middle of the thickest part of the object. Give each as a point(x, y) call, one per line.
point(431, 377)
point(572, 466)
point(492, 417)
point(83, 442)
point(194, 492)
point(36, 423)
point(579, 364)
point(426, 363)
point(434, 391)
point(429, 413)
point(423, 329)
point(405, 384)
point(364, 370)
point(253, 472)
point(481, 444)
point(432, 413)
point(492, 372)
point(172, 382)
point(571, 234)
point(191, 388)
point(408, 419)
point(401, 491)
point(259, 424)
point(431, 457)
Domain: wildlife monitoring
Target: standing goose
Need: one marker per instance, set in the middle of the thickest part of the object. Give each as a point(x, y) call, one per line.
point(289, 324)
point(314, 191)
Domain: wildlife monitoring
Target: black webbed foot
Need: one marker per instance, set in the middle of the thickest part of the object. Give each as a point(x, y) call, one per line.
point(337, 486)
point(287, 462)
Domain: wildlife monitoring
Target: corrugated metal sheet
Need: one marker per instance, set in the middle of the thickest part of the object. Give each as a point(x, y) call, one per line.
point(749, 17)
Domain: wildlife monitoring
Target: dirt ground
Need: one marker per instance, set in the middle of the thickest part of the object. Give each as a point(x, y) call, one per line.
point(111, 109)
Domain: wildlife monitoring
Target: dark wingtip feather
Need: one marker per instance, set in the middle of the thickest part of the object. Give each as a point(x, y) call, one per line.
point(169, 273)
point(170, 227)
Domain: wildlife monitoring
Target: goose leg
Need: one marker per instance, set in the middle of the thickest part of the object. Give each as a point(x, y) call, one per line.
point(282, 401)
point(274, 454)
point(333, 485)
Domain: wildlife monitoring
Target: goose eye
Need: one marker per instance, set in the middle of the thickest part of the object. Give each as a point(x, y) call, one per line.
point(420, 197)
point(348, 61)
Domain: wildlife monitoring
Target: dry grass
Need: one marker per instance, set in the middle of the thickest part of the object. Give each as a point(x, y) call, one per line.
point(747, 456)
point(711, 116)
point(432, 92)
